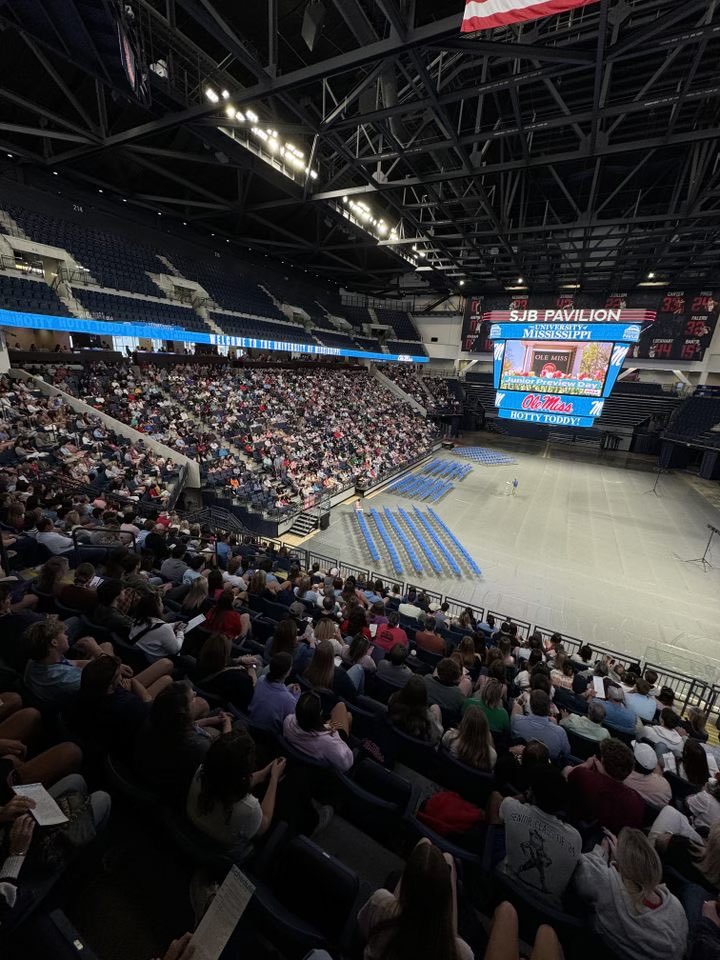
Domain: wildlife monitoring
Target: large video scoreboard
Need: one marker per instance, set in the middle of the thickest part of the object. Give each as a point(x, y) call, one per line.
point(557, 365)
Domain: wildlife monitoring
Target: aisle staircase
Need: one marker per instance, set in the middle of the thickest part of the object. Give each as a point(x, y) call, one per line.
point(304, 524)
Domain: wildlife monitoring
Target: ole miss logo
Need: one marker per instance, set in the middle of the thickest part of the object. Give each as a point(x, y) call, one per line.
point(534, 401)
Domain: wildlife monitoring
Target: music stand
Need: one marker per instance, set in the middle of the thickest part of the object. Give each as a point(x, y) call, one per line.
point(706, 565)
point(653, 488)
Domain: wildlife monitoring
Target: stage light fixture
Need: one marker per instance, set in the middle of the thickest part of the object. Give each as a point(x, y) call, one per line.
point(100, 190)
point(55, 173)
point(651, 275)
point(226, 95)
point(211, 95)
point(230, 111)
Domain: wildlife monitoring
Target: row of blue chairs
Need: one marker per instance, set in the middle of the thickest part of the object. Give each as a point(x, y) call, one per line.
point(422, 488)
point(433, 560)
point(404, 540)
point(450, 559)
point(447, 469)
point(368, 537)
point(390, 546)
point(451, 536)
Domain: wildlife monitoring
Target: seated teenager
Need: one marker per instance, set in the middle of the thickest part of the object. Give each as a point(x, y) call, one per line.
point(107, 612)
point(539, 726)
point(218, 673)
point(409, 711)
point(634, 912)
point(393, 667)
point(358, 651)
point(112, 707)
point(272, 699)
point(490, 701)
point(647, 779)
point(322, 672)
point(668, 735)
point(151, 634)
point(443, 686)
point(285, 640)
point(220, 802)
point(172, 743)
point(49, 675)
point(472, 742)
point(79, 595)
point(224, 618)
point(598, 791)
point(418, 919)
point(389, 634)
point(542, 852)
point(307, 731)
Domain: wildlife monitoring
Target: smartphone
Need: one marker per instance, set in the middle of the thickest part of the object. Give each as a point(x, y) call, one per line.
point(338, 661)
point(373, 629)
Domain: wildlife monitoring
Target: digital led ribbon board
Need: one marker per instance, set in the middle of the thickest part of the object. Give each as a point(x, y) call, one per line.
point(557, 366)
point(116, 328)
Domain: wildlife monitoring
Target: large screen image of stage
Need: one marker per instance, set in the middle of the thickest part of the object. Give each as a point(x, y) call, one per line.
point(566, 367)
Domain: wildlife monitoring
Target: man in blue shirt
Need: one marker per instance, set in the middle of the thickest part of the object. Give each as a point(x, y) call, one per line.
point(539, 726)
point(272, 701)
point(617, 715)
point(49, 675)
point(641, 702)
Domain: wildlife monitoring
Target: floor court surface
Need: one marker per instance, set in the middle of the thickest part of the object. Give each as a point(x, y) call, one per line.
point(583, 548)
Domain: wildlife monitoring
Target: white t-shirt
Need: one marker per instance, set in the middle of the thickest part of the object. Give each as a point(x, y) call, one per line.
point(541, 851)
point(235, 830)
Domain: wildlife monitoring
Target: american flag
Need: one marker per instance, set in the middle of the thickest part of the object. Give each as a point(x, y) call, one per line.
point(484, 14)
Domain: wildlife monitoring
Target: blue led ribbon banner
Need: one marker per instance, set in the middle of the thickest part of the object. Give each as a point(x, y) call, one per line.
point(113, 328)
point(557, 366)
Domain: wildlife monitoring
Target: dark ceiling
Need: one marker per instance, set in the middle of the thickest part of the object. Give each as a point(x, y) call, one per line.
point(575, 150)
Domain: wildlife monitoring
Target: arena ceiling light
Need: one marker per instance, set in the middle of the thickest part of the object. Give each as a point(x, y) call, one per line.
point(267, 144)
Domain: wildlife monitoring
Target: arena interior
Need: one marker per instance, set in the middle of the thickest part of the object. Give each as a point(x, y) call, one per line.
point(359, 480)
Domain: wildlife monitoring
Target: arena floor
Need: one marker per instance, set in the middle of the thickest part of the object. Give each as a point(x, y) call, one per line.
point(583, 548)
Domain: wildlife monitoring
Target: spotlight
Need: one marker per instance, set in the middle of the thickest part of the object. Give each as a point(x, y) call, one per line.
point(100, 190)
point(55, 173)
point(211, 95)
point(651, 275)
point(230, 111)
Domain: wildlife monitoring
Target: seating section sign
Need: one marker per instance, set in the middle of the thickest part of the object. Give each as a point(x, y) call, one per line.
point(556, 365)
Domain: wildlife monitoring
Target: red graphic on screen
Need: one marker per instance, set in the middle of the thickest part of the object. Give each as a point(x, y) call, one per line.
point(673, 303)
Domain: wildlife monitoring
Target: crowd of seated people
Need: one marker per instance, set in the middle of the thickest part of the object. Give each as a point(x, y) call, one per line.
point(41, 435)
point(430, 392)
point(325, 440)
point(214, 674)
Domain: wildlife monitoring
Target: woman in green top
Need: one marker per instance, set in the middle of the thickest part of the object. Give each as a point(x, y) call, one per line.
point(490, 702)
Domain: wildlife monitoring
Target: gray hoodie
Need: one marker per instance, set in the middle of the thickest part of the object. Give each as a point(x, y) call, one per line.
point(633, 933)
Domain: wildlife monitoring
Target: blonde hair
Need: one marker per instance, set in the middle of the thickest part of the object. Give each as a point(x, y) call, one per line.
point(197, 593)
point(326, 629)
point(638, 864)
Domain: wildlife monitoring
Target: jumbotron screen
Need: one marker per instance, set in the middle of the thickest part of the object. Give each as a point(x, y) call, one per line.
point(556, 367)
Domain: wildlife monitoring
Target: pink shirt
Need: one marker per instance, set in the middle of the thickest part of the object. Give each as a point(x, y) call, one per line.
point(326, 745)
